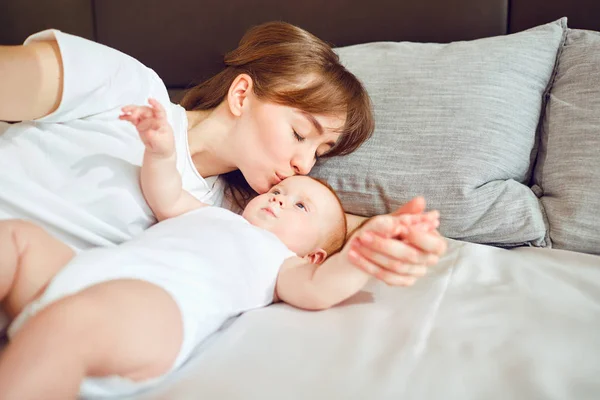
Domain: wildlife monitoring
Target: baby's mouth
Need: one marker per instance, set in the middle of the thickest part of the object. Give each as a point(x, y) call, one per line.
point(269, 211)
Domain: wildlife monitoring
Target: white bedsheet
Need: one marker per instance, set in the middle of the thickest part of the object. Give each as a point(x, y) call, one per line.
point(486, 323)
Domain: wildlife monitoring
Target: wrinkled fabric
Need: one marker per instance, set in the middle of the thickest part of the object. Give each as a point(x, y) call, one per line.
point(485, 323)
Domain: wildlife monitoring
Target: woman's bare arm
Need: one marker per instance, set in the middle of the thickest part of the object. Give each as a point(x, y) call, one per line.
point(31, 78)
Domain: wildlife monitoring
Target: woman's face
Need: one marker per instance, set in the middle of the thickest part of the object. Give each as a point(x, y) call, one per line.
point(274, 142)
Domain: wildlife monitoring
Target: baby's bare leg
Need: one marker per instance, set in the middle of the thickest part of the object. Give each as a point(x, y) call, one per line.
point(127, 327)
point(29, 259)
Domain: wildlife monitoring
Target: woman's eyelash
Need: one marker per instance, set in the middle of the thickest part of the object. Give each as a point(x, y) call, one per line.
point(298, 137)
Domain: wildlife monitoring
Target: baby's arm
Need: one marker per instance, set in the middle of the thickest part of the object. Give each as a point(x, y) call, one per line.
point(316, 287)
point(160, 180)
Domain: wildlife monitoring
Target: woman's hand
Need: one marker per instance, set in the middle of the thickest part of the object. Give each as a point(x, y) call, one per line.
point(153, 127)
point(395, 252)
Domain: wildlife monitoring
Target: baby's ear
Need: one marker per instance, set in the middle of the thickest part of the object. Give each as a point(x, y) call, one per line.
point(316, 256)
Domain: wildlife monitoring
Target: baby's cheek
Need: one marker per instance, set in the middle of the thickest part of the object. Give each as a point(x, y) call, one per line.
point(291, 237)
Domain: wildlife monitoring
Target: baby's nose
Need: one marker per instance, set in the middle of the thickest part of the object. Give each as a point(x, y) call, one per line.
point(275, 199)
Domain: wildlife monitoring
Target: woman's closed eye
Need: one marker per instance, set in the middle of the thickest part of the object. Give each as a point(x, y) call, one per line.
point(302, 139)
point(298, 137)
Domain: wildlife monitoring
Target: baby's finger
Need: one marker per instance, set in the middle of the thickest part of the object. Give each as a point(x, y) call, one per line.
point(146, 112)
point(430, 215)
point(384, 225)
point(125, 117)
point(159, 110)
point(135, 114)
point(148, 124)
point(129, 108)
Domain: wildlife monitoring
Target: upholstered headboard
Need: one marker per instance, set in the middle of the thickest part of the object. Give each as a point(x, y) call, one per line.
point(183, 40)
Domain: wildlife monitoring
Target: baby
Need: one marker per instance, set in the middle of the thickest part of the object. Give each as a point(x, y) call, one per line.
point(150, 301)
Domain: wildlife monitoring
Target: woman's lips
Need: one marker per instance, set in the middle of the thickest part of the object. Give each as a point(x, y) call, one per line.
point(280, 176)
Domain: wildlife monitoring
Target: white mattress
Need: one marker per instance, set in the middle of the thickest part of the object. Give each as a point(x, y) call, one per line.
point(486, 323)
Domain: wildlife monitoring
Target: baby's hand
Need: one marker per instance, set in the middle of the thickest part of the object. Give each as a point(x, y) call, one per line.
point(152, 126)
point(424, 222)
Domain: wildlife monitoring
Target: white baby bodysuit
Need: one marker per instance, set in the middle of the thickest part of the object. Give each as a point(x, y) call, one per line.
point(212, 262)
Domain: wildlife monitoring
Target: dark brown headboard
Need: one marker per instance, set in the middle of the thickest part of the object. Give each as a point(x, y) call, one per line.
point(183, 40)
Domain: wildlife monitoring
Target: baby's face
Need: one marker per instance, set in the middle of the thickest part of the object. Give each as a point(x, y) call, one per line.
point(299, 210)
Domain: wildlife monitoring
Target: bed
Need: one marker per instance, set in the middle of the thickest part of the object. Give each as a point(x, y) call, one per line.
point(486, 323)
point(491, 110)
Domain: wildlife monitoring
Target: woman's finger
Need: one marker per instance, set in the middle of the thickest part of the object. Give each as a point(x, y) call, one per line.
point(427, 242)
point(377, 258)
point(383, 275)
point(393, 249)
point(392, 265)
point(414, 206)
point(429, 217)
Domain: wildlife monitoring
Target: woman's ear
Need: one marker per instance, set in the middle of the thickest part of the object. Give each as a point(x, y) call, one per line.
point(240, 89)
point(316, 257)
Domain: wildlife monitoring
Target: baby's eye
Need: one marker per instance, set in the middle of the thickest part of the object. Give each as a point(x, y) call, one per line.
point(275, 192)
point(300, 206)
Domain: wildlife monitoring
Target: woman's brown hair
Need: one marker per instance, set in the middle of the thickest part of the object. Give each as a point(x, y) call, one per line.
point(291, 67)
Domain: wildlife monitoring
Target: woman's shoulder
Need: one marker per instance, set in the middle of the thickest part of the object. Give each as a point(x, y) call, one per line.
point(98, 78)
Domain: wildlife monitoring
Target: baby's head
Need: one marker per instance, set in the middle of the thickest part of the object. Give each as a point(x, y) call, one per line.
point(303, 213)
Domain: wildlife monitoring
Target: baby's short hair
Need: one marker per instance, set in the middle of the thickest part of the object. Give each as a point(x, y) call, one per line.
point(336, 238)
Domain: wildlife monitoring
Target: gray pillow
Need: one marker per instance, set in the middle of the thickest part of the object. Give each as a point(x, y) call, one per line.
point(567, 172)
point(455, 123)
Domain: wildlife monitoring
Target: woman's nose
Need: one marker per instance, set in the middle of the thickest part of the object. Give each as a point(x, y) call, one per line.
point(302, 164)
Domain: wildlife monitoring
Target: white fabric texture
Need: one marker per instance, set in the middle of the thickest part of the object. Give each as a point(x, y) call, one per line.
point(76, 171)
point(212, 262)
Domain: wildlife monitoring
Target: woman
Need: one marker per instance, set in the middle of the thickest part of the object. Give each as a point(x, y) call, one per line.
point(282, 100)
